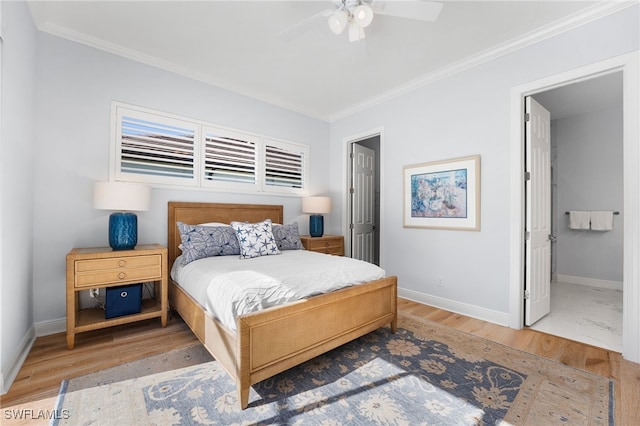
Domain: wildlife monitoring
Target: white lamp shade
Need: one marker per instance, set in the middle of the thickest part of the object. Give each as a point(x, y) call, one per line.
point(121, 196)
point(363, 15)
point(338, 21)
point(316, 205)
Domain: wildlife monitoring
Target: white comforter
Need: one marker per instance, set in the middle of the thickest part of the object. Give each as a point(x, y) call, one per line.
point(228, 286)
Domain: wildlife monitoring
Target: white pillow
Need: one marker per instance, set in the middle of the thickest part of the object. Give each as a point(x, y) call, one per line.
point(256, 239)
point(213, 224)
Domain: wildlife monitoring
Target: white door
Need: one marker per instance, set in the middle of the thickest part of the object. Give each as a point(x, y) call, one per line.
point(363, 202)
point(538, 212)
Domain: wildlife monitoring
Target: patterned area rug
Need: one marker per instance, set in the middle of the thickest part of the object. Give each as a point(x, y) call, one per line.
point(424, 374)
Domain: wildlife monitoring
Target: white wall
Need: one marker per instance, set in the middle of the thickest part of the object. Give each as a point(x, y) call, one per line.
point(589, 173)
point(465, 114)
point(16, 185)
point(75, 87)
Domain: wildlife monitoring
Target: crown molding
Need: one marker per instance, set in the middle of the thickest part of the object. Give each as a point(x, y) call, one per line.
point(39, 14)
point(601, 9)
point(586, 16)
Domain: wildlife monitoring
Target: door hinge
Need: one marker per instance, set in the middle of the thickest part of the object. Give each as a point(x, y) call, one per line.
point(351, 226)
point(527, 117)
point(527, 235)
point(351, 155)
point(352, 190)
point(527, 175)
point(527, 295)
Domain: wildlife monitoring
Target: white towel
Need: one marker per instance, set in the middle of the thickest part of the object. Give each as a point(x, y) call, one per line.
point(602, 221)
point(579, 219)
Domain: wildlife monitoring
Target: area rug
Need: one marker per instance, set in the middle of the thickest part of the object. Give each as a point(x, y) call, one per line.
point(425, 374)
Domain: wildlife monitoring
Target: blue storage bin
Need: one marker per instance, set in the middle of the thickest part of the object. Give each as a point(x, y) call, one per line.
point(123, 300)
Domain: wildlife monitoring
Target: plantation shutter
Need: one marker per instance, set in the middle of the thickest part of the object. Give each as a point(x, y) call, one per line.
point(230, 158)
point(155, 148)
point(284, 166)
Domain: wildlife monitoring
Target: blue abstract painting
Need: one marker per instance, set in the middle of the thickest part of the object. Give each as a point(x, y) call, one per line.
point(440, 194)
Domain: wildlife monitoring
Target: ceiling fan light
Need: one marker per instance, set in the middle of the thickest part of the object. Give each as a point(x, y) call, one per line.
point(363, 15)
point(356, 32)
point(338, 21)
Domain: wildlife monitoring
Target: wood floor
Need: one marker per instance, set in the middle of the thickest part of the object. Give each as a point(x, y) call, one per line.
point(49, 361)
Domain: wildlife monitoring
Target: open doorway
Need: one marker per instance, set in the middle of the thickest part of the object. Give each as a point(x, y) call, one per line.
point(629, 64)
point(364, 199)
point(586, 163)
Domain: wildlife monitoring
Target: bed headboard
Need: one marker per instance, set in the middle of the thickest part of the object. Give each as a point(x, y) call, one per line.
point(196, 213)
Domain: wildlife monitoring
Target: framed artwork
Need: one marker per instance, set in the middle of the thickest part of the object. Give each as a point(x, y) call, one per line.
point(443, 194)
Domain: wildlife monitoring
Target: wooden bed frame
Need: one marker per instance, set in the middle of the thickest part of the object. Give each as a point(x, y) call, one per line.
point(276, 339)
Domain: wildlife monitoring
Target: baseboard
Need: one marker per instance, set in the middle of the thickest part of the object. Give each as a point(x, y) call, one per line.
point(591, 282)
point(9, 376)
point(46, 328)
point(466, 309)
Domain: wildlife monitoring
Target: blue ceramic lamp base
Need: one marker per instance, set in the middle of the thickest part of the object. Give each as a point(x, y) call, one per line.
point(123, 231)
point(316, 225)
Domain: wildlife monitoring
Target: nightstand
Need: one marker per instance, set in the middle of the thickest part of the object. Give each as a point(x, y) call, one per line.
point(103, 267)
point(328, 244)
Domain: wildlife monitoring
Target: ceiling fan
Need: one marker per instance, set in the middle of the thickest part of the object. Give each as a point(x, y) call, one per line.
point(356, 15)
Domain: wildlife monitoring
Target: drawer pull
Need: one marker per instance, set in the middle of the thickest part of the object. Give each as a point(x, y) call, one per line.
point(122, 263)
point(326, 244)
point(122, 275)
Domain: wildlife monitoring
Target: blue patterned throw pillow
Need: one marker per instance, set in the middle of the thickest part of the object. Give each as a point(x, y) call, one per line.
point(199, 241)
point(256, 239)
point(287, 236)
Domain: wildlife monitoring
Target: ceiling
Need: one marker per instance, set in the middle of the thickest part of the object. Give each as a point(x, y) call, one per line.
point(238, 45)
point(587, 96)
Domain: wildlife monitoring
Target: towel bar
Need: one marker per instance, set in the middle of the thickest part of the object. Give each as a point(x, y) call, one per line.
point(616, 213)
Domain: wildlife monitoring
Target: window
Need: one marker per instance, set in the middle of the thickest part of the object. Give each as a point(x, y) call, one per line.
point(155, 149)
point(230, 159)
point(284, 165)
point(159, 148)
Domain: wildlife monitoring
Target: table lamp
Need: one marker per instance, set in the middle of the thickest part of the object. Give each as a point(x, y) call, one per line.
point(123, 198)
point(316, 206)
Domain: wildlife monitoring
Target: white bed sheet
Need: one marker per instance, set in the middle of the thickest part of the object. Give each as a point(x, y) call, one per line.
point(228, 286)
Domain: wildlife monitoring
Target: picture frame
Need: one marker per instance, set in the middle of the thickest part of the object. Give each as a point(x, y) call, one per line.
point(443, 194)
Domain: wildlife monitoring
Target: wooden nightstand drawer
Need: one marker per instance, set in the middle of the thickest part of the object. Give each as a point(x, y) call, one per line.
point(325, 244)
point(98, 278)
point(117, 263)
point(328, 244)
point(92, 273)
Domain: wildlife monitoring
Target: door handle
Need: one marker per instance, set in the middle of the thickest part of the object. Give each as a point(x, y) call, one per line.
point(553, 238)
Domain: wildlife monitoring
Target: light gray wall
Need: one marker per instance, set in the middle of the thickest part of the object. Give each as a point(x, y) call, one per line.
point(75, 87)
point(16, 182)
point(589, 177)
point(466, 114)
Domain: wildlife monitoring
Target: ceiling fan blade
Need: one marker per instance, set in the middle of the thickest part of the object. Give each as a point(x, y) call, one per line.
point(299, 28)
point(414, 9)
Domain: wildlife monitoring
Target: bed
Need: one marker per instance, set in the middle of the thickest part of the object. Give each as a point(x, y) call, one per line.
point(273, 340)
